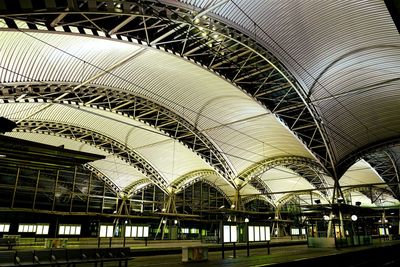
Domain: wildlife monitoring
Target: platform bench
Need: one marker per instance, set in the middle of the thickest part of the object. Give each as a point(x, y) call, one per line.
point(65, 257)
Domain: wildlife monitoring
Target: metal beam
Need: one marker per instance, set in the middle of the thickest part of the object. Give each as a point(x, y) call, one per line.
point(128, 156)
point(133, 106)
point(206, 53)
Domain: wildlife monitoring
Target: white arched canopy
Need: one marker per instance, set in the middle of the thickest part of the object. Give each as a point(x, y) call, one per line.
point(344, 76)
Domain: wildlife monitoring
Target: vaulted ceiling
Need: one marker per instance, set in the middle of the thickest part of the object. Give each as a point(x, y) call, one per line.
point(256, 96)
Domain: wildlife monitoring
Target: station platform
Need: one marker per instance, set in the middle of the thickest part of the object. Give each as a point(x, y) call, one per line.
point(380, 254)
point(283, 252)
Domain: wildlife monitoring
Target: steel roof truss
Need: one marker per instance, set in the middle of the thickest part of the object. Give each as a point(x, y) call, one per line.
point(139, 108)
point(103, 142)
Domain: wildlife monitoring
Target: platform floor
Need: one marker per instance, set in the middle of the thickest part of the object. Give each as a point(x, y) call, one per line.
point(281, 251)
point(258, 257)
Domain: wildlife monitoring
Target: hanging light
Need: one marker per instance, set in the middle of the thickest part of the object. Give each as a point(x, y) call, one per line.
point(354, 217)
point(246, 220)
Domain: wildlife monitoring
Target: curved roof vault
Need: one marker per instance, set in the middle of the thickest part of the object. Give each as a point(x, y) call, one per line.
point(242, 129)
point(362, 177)
point(333, 87)
point(368, 198)
point(345, 54)
point(282, 180)
point(361, 173)
point(170, 159)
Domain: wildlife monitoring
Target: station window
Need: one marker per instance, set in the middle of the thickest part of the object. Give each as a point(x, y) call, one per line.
point(4, 227)
point(69, 229)
point(39, 229)
point(185, 230)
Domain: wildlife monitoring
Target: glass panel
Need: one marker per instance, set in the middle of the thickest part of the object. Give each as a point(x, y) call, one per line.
point(251, 233)
point(128, 231)
point(145, 231)
point(267, 233)
point(140, 231)
point(110, 231)
point(61, 230)
point(233, 233)
point(256, 233)
point(227, 234)
point(103, 231)
point(6, 228)
point(134, 231)
point(78, 230)
point(39, 230)
point(67, 229)
point(262, 233)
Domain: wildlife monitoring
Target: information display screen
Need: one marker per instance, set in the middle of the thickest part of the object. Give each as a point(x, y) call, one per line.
point(106, 231)
point(259, 233)
point(136, 231)
point(230, 233)
point(295, 231)
point(383, 231)
point(4, 227)
point(65, 229)
point(42, 229)
point(39, 229)
point(256, 233)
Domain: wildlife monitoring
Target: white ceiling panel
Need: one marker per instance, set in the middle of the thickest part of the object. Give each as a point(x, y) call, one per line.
point(360, 173)
point(255, 139)
point(345, 55)
point(280, 179)
point(172, 159)
point(223, 112)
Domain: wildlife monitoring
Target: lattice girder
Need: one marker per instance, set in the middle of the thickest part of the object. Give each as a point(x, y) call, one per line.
point(263, 198)
point(98, 140)
point(200, 175)
point(125, 103)
point(305, 167)
point(374, 193)
point(385, 164)
point(213, 44)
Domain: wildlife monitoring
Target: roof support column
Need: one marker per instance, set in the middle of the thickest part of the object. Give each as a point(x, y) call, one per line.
point(276, 231)
point(169, 207)
point(337, 195)
point(237, 201)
